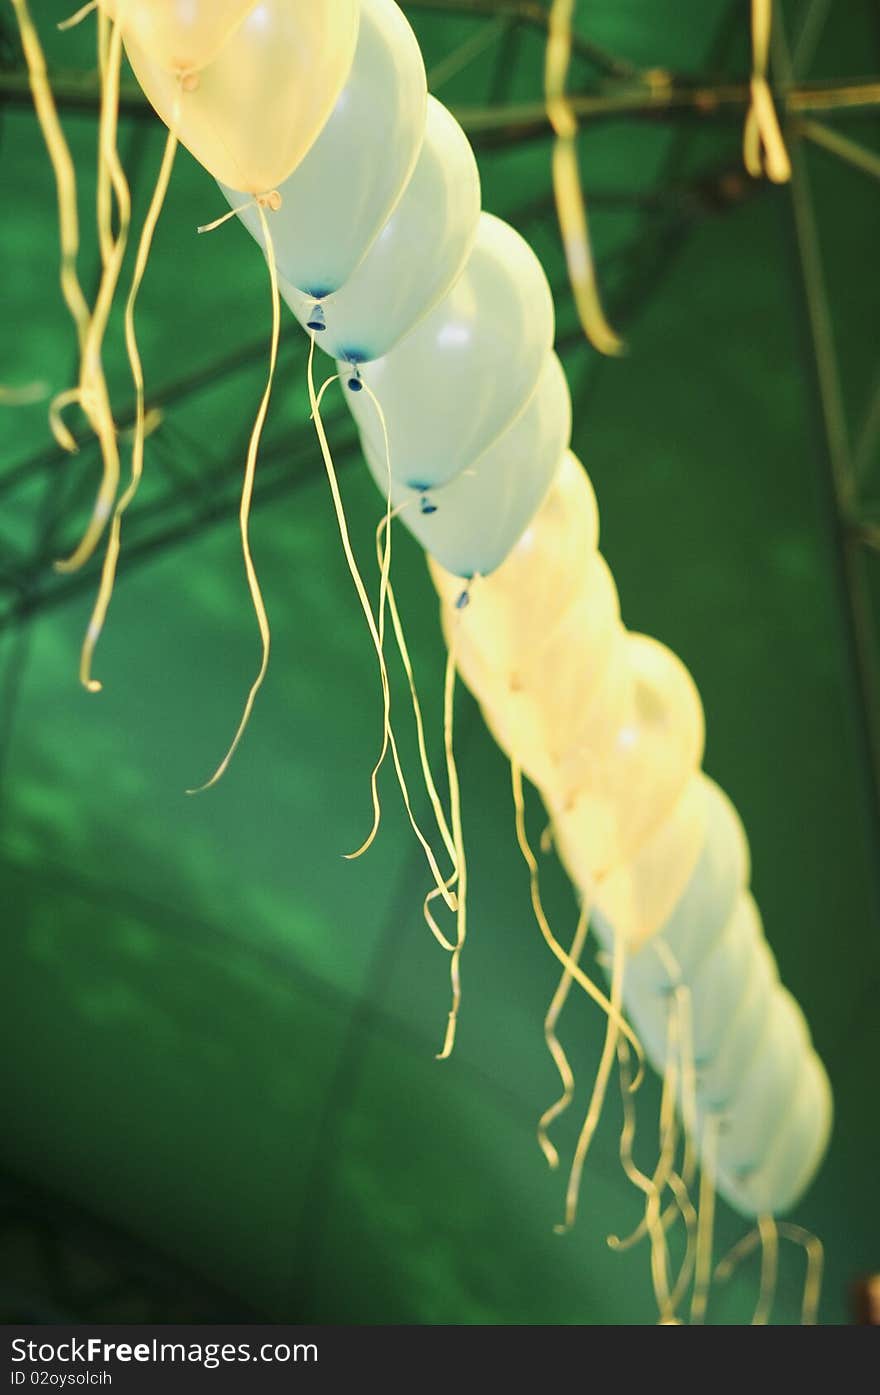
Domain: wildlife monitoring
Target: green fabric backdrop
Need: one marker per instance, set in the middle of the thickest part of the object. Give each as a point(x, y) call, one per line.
point(218, 1034)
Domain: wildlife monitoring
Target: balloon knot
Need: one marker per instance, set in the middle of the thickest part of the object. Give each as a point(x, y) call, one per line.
point(316, 320)
point(272, 200)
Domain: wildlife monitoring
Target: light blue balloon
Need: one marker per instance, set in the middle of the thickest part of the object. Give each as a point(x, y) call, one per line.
point(719, 1077)
point(763, 1091)
point(467, 370)
point(793, 1152)
point(337, 200)
point(417, 257)
point(719, 981)
point(761, 1097)
point(716, 986)
point(470, 524)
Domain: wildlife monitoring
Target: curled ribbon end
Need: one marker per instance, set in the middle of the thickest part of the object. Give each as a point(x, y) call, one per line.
point(72, 20)
point(63, 437)
point(449, 1043)
point(364, 847)
point(209, 784)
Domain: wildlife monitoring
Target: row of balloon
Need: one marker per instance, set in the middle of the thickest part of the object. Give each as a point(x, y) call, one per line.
point(608, 725)
point(364, 194)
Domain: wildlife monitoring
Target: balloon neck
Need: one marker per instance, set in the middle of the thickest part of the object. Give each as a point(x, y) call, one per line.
point(426, 504)
point(463, 599)
point(355, 382)
point(187, 77)
point(316, 320)
point(271, 200)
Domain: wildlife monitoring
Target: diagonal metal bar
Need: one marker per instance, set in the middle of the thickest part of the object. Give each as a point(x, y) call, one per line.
point(851, 152)
point(663, 97)
point(466, 53)
point(151, 530)
point(208, 375)
point(868, 439)
point(532, 13)
point(809, 35)
point(839, 474)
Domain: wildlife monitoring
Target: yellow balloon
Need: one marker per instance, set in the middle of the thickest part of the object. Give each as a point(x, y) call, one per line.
point(638, 896)
point(180, 35)
point(631, 753)
point(251, 114)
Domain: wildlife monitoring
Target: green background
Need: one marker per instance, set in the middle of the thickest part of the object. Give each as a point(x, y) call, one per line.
point(218, 1037)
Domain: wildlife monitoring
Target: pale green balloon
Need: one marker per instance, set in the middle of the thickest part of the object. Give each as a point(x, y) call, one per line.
point(337, 200)
point(717, 987)
point(470, 524)
point(467, 370)
point(718, 984)
point(788, 1160)
point(720, 1073)
point(417, 257)
point(763, 1104)
point(764, 1089)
